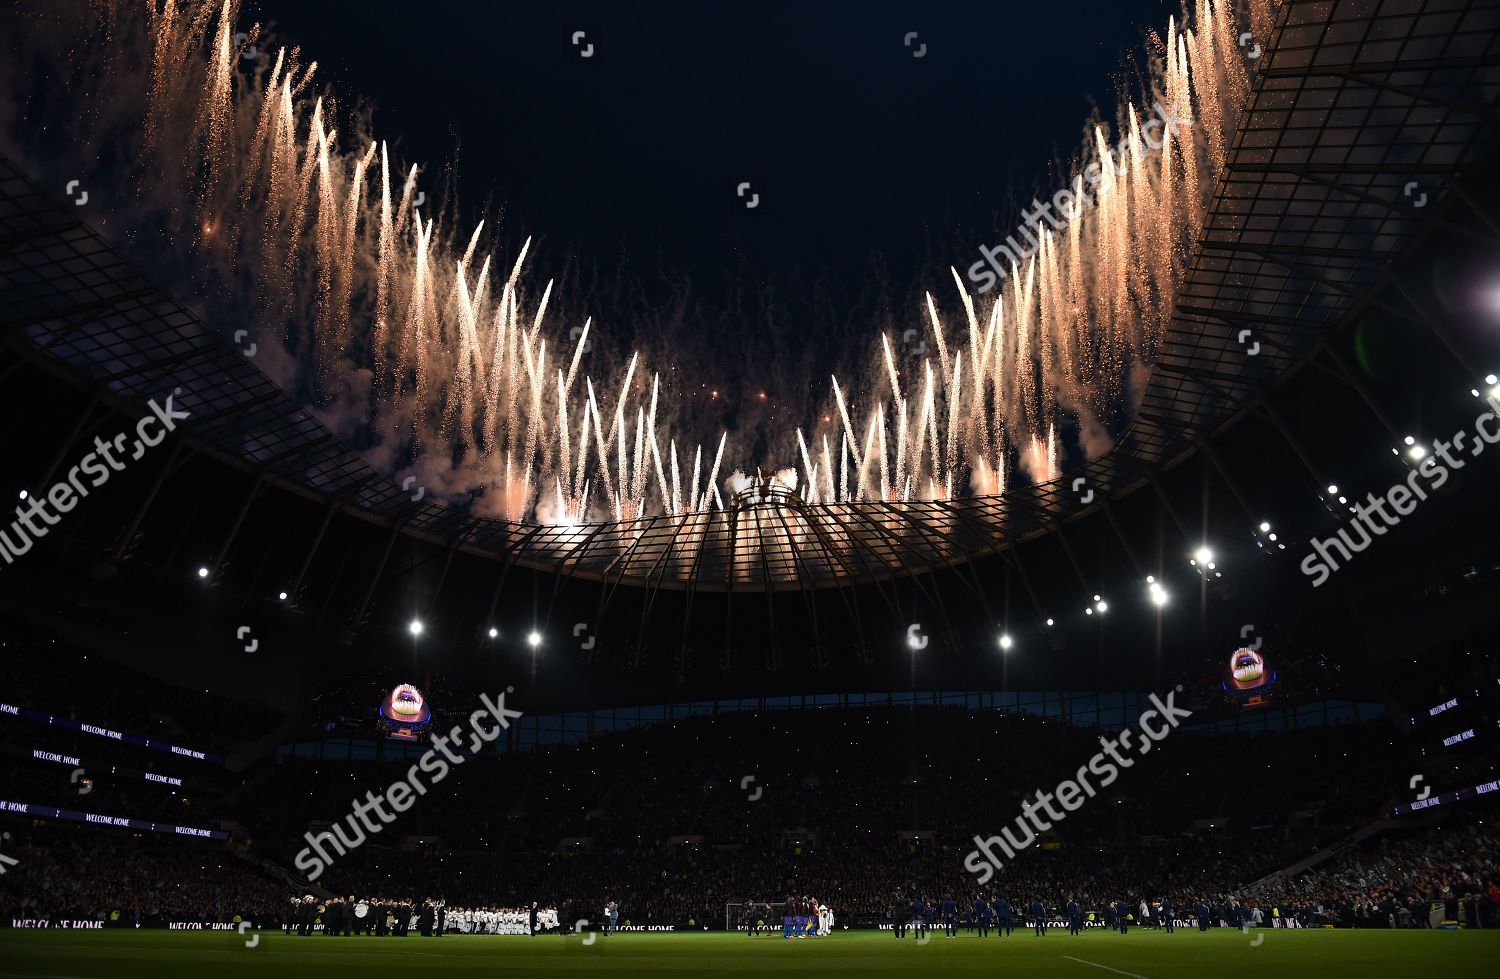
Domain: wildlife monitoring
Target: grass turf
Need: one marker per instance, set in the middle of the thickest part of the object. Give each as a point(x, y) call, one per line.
point(1221, 952)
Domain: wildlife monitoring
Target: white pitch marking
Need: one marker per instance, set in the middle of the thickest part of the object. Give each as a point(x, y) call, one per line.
point(1105, 967)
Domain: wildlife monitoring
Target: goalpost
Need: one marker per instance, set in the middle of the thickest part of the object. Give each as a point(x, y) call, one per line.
point(736, 917)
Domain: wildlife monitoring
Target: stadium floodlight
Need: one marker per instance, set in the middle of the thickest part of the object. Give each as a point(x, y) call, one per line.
point(494, 632)
point(1096, 598)
point(1203, 554)
point(281, 595)
point(1265, 526)
point(1089, 610)
point(1491, 379)
point(1273, 537)
point(203, 572)
point(23, 494)
point(1410, 440)
point(415, 627)
point(1150, 579)
point(1049, 621)
point(1158, 593)
point(534, 638)
point(1005, 641)
point(1102, 606)
point(1333, 489)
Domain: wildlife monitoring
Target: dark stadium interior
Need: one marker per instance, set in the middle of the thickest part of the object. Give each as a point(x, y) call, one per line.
point(766, 706)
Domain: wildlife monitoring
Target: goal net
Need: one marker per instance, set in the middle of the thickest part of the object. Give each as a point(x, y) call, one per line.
point(740, 915)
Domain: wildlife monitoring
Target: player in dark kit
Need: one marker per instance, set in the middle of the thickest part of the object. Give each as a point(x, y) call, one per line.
point(900, 915)
point(1004, 916)
point(1039, 918)
point(1075, 916)
point(982, 916)
point(1165, 915)
point(950, 918)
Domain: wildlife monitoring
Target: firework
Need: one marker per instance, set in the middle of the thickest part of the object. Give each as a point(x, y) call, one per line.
point(462, 375)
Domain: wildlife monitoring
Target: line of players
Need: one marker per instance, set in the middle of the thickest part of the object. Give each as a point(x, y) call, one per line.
point(920, 916)
point(384, 916)
point(801, 917)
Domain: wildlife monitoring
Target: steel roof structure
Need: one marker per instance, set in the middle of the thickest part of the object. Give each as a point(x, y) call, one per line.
point(1365, 120)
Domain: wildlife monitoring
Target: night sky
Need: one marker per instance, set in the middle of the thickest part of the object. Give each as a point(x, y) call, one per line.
point(862, 154)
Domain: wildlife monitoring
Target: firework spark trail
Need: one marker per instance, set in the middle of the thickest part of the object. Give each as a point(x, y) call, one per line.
point(458, 375)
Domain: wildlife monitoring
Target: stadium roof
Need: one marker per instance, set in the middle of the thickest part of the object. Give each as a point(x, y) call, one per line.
point(1364, 122)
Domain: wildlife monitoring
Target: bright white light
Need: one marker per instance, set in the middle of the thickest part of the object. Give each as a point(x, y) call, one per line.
point(1102, 607)
point(281, 595)
point(1088, 611)
point(1416, 452)
point(1049, 621)
point(23, 494)
point(1333, 490)
point(1096, 598)
point(534, 638)
point(1491, 379)
point(1204, 554)
point(494, 632)
point(415, 627)
point(203, 572)
point(1158, 597)
point(1343, 499)
point(1150, 579)
point(1410, 440)
point(1264, 527)
point(1273, 537)
point(1005, 642)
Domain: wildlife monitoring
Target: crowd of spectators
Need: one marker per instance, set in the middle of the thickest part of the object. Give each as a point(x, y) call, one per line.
point(88, 873)
point(858, 777)
point(848, 805)
point(1400, 882)
point(46, 673)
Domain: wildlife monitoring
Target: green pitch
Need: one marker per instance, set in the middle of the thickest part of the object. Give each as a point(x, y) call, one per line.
point(1094, 955)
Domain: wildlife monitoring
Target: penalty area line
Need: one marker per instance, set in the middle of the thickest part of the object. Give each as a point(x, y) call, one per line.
point(1107, 968)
